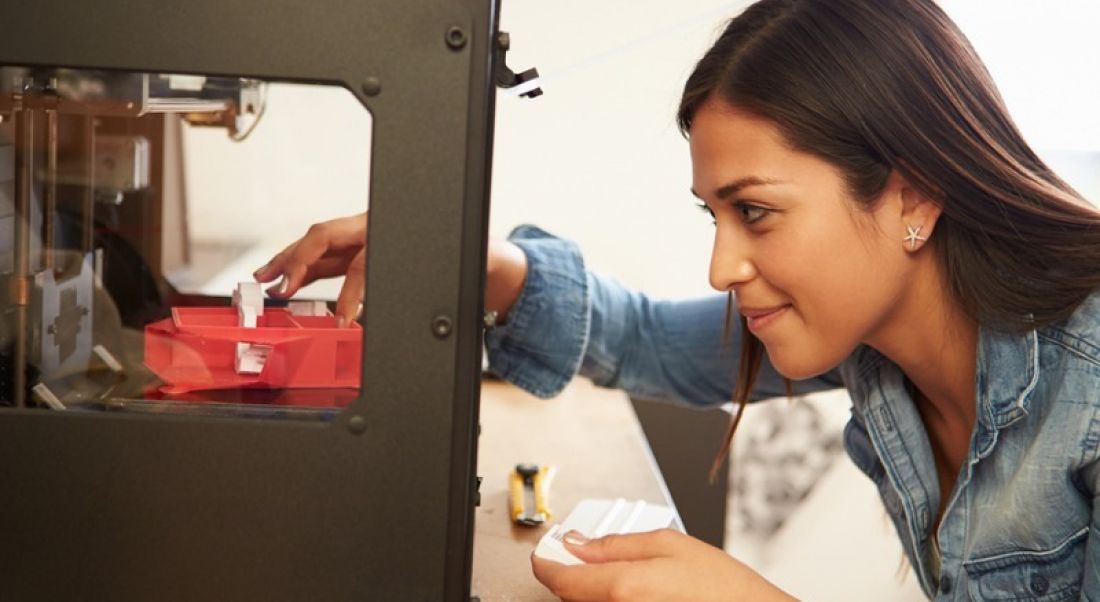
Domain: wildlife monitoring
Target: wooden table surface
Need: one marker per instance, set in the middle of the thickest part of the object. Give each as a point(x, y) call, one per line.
point(593, 438)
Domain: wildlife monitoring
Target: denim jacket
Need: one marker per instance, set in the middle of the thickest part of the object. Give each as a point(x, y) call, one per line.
point(1019, 524)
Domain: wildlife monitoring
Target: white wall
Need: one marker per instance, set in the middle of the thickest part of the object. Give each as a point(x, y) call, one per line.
point(598, 158)
point(1045, 59)
point(307, 160)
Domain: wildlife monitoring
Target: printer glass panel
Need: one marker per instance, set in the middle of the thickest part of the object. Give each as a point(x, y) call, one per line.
point(132, 206)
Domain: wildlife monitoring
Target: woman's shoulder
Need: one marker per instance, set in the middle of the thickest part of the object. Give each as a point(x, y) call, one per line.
point(1080, 332)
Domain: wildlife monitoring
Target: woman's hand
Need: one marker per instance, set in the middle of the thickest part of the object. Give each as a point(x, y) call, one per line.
point(660, 565)
point(338, 248)
point(333, 248)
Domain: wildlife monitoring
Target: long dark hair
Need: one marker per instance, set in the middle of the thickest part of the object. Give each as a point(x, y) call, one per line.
point(873, 86)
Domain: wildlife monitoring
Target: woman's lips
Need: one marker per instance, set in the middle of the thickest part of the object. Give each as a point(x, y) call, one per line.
point(759, 319)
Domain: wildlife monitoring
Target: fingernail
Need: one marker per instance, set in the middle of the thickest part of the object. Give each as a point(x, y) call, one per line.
point(575, 538)
point(283, 286)
point(277, 289)
point(341, 321)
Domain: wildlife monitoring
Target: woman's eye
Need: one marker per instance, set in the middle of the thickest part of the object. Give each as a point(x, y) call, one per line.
point(703, 207)
point(751, 214)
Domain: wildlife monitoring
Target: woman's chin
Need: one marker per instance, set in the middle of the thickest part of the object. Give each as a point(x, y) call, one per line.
point(797, 367)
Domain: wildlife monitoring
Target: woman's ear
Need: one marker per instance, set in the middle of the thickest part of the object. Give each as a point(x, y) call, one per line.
point(918, 212)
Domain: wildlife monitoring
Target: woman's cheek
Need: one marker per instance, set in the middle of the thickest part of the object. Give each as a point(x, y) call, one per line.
point(811, 344)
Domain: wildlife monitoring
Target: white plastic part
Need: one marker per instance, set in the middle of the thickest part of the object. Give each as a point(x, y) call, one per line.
point(595, 518)
point(42, 392)
point(249, 301)
point(246, 317)
point(186, 83)
point(107, 358)
point(308, 308)
point(251, 358)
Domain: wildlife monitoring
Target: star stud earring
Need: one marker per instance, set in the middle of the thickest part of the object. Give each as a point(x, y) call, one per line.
point(913, 236)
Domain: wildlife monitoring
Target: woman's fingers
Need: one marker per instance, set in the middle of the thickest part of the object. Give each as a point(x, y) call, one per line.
point(328, 249)
point(274, 267)
point(326, 267)
point(578, 583)
point(296, 263)
point(307, 259)
point(625, 547)
point(350, 300)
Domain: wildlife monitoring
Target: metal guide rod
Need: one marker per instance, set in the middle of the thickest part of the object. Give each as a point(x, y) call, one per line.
point(24, 166)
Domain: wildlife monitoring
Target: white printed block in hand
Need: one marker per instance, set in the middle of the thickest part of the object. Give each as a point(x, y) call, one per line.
point(595, 518)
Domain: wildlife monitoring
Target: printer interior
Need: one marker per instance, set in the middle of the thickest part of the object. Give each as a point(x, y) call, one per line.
point(96, 244)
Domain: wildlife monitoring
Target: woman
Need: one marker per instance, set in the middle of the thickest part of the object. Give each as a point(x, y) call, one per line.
point(882, 226)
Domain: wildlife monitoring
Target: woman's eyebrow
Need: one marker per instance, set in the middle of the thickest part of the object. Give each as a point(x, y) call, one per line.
point(738, 185)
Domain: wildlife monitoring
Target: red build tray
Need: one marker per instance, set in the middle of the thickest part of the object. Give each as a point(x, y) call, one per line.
point(196, 348)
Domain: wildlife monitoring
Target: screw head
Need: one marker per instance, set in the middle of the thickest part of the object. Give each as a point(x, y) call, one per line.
point(357, 425)
point(442, 327)
point(456, 38)
point(372, 86)
point(504, 40)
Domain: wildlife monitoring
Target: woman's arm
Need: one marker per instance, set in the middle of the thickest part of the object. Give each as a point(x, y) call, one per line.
point(567, 321)
point(558, 320)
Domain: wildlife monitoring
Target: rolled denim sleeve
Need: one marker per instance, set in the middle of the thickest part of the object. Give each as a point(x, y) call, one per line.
point(568, 321)
point(540, 347)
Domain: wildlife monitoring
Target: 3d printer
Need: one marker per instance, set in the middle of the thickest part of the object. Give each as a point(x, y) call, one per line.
point(111, 489)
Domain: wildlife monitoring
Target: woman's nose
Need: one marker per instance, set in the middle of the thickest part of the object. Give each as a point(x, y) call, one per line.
point(730, 262)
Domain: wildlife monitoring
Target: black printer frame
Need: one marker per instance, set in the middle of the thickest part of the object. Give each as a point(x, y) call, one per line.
point(377, 505)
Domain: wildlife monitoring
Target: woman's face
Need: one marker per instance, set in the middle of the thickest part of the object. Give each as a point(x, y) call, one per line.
point(814, 273)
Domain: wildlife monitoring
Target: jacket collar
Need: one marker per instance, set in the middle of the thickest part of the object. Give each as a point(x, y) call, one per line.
point(1008, 370)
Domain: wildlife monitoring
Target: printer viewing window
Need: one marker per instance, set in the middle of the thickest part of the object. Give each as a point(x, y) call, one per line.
point(132, 208)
